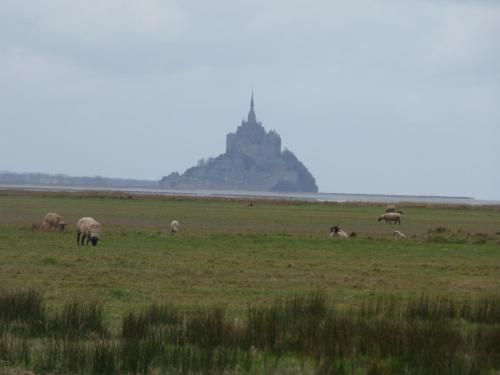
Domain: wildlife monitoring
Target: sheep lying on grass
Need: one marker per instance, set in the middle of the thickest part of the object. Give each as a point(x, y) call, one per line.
point(397, 234)
point(391, 218)
point(89, 228)
point(53, 221)
point(337, 232)
point(174, 226)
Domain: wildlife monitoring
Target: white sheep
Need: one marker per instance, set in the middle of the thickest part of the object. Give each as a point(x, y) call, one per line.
point(53, 221)
point(390, 208)
point(90, 228)
point(397, 234)
point(337, 232)
point(174, 226)
point(391, 217)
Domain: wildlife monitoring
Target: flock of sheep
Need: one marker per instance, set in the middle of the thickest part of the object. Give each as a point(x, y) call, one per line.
point(86, 228)
point(90, 229)
point(391, 216)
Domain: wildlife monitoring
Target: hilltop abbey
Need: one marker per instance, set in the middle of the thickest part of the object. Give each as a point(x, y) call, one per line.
point(251, 139)
point(253, 161)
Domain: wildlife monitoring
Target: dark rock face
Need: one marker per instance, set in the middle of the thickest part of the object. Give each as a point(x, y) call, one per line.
point(253, 161)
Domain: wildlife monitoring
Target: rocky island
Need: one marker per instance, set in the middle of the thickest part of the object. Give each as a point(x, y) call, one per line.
point(253, 161)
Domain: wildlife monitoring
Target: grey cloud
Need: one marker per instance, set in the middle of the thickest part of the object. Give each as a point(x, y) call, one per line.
point(356, 89)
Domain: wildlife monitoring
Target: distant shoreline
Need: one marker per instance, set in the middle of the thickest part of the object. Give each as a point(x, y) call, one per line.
point(404, 195)
point(297, 196)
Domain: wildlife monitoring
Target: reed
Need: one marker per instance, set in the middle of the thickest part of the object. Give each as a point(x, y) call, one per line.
point(77, 319)
point(136, 325)
point(303, 333)
point(24, 307)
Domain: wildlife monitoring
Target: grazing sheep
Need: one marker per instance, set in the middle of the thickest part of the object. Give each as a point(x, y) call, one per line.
point(397, 234)
point(174, 226)
point(53, 221)
point(337, 232)
point(392, 208)
point(391, 217)
point(90, 228)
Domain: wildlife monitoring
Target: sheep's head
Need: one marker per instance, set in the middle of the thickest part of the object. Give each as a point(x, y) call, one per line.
point(61, 226)
point(94, 240)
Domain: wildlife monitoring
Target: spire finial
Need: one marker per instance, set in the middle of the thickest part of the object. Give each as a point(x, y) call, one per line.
point(251, 114)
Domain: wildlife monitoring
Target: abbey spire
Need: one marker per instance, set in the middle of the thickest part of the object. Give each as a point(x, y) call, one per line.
point(251, 115)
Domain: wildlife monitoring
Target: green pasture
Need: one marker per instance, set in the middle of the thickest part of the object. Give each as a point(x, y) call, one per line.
point(230, 254)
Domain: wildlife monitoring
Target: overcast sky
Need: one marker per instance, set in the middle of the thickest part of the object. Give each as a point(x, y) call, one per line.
point(375, 96)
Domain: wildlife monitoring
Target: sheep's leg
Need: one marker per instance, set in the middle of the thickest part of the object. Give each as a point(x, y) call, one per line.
point(78, 238)
point(88, 239)
point(83, 239)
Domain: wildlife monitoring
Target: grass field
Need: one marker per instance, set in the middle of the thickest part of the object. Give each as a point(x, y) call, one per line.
point(231, 255)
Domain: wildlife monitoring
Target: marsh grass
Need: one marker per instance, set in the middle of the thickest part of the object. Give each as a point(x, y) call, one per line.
point(136, 325)
point(301, 333)
point(442, 234)
point(77, 319)
point(23, 313)
point(24, 308)
point(260, 264)
point(14, 350)
point(481, 310)
point(232, 255)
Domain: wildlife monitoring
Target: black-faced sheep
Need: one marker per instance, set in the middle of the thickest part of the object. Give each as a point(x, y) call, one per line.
point(397, 234)
point(174, 226)
point(337, 232)
point(390, 217)
point(89, 228)
point(53, 221)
